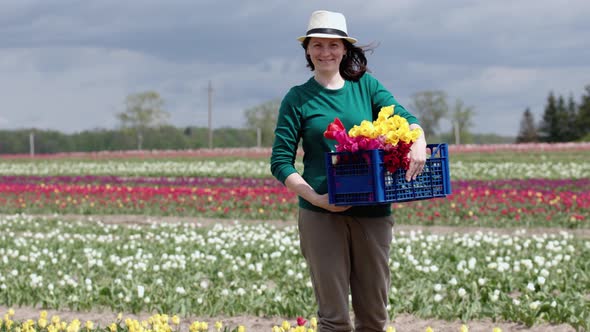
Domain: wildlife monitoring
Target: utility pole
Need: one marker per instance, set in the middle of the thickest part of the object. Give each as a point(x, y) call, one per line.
point(32, 144)
point(258, 137)
point(210, 94)
point(457, 130)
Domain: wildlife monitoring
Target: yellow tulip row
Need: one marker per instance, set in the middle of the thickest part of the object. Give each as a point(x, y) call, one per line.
point(155, 323)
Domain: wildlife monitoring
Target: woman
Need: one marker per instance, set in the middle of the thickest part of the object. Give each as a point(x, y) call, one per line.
point(346, 248)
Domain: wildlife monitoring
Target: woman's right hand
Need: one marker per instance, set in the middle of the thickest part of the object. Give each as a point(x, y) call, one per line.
point(323, 201)
point(299, 186)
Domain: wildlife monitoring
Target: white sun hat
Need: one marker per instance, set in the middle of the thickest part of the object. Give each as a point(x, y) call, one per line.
point(326, 24)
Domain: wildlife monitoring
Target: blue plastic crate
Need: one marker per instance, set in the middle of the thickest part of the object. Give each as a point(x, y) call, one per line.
point(361, 178)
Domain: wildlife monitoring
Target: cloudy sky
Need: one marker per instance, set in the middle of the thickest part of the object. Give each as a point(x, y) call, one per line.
point(68, 65)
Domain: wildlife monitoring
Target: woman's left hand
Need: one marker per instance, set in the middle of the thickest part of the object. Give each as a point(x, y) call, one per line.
point(417, 159)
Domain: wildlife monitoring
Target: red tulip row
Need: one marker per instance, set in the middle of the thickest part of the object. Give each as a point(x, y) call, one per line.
point(468, 205)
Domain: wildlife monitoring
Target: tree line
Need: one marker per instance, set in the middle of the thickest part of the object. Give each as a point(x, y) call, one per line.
point(431, 107)
point(164, 137)
point(143, 125)
point(562, 121)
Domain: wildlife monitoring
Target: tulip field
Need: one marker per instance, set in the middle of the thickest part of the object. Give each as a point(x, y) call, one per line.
point(506, 272)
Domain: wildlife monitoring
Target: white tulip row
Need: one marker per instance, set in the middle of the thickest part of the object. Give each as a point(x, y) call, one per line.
point(245, 168)
point(75, 261)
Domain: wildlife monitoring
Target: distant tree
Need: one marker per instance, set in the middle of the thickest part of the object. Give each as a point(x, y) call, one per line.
point(430, 107)
point(549, 130)
point(566, 133)
point(165, 137)
point(528, 130)
point(14, 141)
point(583, 115)
point(264, 117)
point(142, 111)
point(235, 137)
point(462, 117)
point(571, 114)
point(51, 141)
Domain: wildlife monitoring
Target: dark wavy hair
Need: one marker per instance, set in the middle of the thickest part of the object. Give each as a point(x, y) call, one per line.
point(354, 63)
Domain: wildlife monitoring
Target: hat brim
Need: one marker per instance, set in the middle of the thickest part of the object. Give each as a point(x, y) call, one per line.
point(326, 35)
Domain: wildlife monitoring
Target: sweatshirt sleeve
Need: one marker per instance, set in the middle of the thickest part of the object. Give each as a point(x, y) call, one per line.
point(287, 136)
point(381, 97)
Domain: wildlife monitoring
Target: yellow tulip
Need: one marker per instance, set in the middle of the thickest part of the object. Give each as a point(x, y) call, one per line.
point(385, 112)
point(42, 322)
point(286, 326)
point(74, 326)
point(194, 327)
point(313, 322)
point(392, 138)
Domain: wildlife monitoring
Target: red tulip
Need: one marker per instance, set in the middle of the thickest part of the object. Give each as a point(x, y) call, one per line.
point(333, 129)
point(301, 321)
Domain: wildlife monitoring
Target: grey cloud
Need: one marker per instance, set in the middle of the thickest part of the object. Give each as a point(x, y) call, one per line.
point(68, 64)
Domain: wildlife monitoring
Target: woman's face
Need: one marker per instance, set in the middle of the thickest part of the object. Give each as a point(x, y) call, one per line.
point(326, 54)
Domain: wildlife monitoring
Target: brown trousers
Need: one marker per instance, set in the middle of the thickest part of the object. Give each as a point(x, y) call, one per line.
point(347, 255)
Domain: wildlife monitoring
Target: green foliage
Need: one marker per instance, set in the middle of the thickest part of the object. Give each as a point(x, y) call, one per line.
point(165, 137)
point(565, 121)
point(14, 141)
point(232, 136)
point(549, 130)
point(571, 130)
point(142, 111)
point(449, 137)
point(583, 115)
point(528, 130)
point(462, 117)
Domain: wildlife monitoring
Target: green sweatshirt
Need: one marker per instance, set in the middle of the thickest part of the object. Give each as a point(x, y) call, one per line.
point(304, 115)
